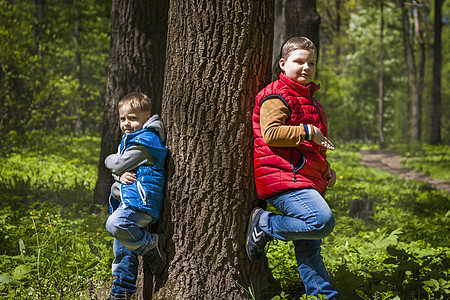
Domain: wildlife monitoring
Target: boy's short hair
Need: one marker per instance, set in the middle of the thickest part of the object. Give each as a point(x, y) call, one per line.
point(296, 43)
point(136, 100)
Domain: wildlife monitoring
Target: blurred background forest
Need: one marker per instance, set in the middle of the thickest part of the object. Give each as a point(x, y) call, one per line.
point(54, 57)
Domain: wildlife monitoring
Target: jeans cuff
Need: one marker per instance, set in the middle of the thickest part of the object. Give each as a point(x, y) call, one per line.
point(264, 222)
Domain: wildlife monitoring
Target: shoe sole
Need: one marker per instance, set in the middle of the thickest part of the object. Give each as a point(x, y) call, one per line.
point(249, 228)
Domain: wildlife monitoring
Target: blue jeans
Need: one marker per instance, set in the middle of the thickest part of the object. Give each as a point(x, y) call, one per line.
point(130, 241)
point(306, 219)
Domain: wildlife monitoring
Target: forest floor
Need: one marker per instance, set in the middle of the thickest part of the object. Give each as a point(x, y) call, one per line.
point(389, 161)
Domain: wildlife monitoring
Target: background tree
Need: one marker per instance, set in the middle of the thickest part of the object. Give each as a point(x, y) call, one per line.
point(218, 58)
point(39, 79)
point(435, 134)
point(293, 18)
point(418, 76)
point(136, 63)
point(381, 82)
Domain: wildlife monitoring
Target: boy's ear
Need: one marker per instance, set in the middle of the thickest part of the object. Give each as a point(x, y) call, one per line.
point(282, 64)
point(148, 116)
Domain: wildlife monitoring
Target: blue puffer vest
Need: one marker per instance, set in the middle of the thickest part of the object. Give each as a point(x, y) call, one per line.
point(145, 194)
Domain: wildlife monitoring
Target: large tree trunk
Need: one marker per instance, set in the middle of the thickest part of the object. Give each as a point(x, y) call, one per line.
point(302, 19)
point(435, 134)
point(136, 63)
point(294, 18)
point(218, 58)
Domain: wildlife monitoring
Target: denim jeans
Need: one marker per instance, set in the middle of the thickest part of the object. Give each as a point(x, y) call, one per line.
point(130, 241)
point(306, 218)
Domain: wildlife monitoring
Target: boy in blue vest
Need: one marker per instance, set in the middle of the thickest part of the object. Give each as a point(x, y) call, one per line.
point(137, 193)
point(291, 170)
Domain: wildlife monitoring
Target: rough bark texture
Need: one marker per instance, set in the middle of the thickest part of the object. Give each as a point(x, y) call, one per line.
point(294, 18)
point(218, 58)
point(136, 63)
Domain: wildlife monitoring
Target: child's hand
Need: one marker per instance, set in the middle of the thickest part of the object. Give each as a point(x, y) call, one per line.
point(321, 140)
point(128, 177)
point(331, 178)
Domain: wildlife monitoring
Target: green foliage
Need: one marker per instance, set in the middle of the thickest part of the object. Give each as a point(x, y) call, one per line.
point(349, 70)
point(40, 87)
point(403, 254)
point(50, 242)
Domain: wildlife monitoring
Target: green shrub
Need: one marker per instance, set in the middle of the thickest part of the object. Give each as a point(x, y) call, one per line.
point(403, 253)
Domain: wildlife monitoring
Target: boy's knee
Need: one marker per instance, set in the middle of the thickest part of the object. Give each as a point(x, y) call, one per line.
point(325, 224)
point(111, 225)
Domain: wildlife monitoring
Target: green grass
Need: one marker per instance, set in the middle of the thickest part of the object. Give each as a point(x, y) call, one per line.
point(433, 161)
point(403, 254)
point(51, 245)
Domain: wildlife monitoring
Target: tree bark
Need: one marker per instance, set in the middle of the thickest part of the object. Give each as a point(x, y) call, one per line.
point(136, 63)
point(435, 135)
point(302, 19)
point(294, 18)
point(218, 58)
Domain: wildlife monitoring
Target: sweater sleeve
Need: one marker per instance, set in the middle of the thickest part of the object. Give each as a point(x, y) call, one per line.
point(273, 116)
point(133, 157)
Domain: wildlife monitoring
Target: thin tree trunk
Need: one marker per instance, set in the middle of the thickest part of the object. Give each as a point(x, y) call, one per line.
point(406, 125)
point(37, 29)
point(418, 86)
point(435, 135)
point(77, 61)
point(218, 58)
point(136, 63)
point(381, 82)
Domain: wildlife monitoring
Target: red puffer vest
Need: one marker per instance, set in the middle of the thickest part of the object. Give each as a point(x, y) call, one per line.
point(278, 169)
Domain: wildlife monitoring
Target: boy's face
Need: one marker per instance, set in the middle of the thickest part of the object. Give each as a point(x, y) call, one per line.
point(131, 120)
point(300, 66)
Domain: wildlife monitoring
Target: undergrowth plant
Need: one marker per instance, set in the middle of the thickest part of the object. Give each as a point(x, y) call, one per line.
point(51, 244)
point(403, 253)
point(53, 247)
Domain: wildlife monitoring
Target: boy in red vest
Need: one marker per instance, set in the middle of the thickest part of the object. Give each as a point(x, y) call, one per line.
point(291, 170)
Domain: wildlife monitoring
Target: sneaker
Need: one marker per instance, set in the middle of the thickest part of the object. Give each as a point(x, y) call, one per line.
point(155, 258)
point(256, 238)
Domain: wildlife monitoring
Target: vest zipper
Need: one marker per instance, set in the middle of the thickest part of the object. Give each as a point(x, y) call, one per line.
point(315, 105)
point(124, 144)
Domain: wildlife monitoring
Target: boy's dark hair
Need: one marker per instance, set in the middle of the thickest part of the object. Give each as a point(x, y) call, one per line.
point(136, 100)
point(296, 43)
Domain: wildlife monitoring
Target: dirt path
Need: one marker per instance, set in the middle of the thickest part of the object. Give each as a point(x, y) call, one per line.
point(390, 162)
